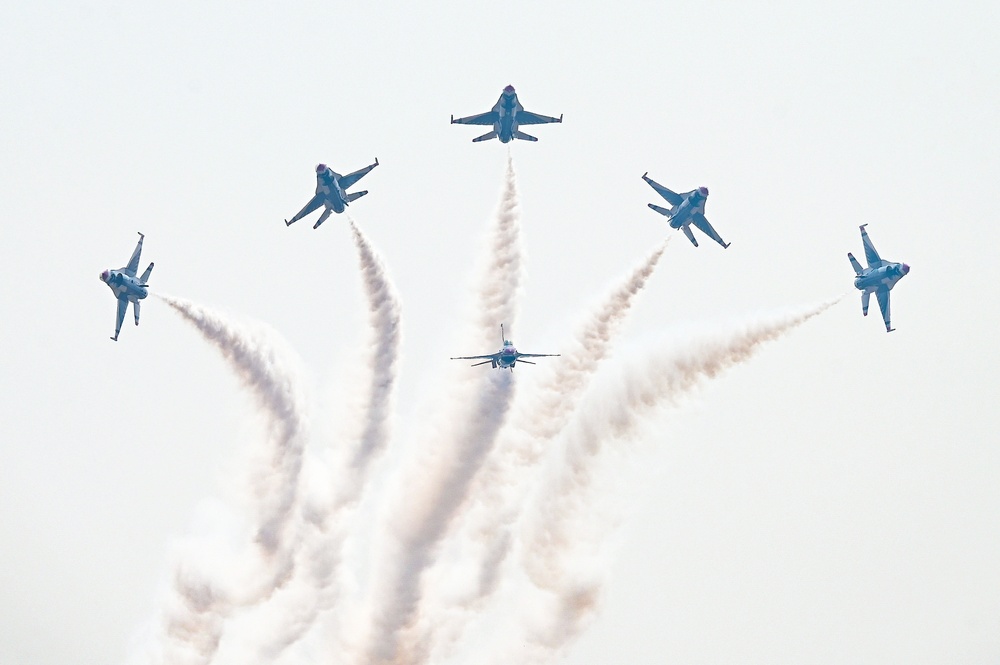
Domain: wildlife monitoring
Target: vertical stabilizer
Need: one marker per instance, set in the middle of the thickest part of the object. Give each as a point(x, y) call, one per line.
point(865, 295)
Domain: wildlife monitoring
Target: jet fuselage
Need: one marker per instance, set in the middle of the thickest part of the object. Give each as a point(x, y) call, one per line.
point(328, 185)
point(507, 108)
point(122, 284)
point(887, 275)
point(681, 214)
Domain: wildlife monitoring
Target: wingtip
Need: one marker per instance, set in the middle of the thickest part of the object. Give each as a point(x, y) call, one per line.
point(862, 227)
point(453, 119)
point(287, 223)
point(141, 234)
point(376, 161)
point(726, 246)
point(560, 117)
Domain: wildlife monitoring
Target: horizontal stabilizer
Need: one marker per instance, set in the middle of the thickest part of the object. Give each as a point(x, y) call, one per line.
point(662, 211)
point(356, 195)
point(485, 137)
point(690, 235)
point(865, 296)
point(854, 263)
point(135, 310)
point(524, 137)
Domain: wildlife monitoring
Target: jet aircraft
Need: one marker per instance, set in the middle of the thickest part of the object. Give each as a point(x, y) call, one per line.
point(331, 191)
point(685, 209)
point(506, 357)
point(127, 287)
point(506, 116)
point(878, 278)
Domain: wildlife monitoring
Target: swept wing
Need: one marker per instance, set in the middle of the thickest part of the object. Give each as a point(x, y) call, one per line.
point(488, 118)
point(314, 203)
point(874, 260)
point(133, 263)
point(701, 222)
point(351, 178)
point(672, 197)
point(529, 118)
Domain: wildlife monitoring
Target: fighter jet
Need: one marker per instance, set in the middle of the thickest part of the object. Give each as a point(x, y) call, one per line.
point(686, 209)
point(127, 287)
point(506, 357)
point(506, 116)
point(878, 278)
point(331, 191)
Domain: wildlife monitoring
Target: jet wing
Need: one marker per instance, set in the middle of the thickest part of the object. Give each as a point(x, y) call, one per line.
point(487, 118)
point(874, 260)
point(314, 203)
point(492, 356)
point(883, 304)
point(536, 355)
point(133, 263)
point(122, 306)
point(351, 178)
point(701, 222)
point(672, 197)
point(529, 118)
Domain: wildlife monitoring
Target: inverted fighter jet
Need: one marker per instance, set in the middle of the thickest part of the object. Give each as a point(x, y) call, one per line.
point(127, 287)
point(505, 116)
point(506, 357)
point(331, 191)
point(686, 209)
point(878, 278)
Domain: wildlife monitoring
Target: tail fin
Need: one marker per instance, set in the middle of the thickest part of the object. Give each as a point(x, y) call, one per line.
point(865, 295)
point(135, 310)
point(143, 280)
point(356, 195)
point(524, 137)
point(662, 211)
point(854, 263)
point(690, 235)
point(485, 137)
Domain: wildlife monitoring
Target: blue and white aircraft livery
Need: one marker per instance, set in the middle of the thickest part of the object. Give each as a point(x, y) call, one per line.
point(506, 357)
point(505, 116)
point(127, 287)
point(331, 191)
point(685, 209)
point(878, 278)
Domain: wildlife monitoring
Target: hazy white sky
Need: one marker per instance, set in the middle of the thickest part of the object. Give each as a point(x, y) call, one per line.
point(833, 500)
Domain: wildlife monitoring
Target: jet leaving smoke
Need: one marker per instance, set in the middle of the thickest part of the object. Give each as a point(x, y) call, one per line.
point(194, 625)
point(465, 438)
point(542, 414)
point(562, 506)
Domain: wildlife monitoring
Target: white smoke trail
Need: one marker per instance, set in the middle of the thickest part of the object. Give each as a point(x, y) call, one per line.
point(542, 414)
point(199, 605)
point(561, 510)
point(442, 481)
point(321, 550)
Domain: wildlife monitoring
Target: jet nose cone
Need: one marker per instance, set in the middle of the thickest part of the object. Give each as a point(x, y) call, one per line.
point(703, 191)
point(320, 168)
point(509, 90)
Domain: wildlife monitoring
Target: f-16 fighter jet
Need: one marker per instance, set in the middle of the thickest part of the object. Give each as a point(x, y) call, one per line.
point(878, 278)
point(506, 357)
point(127, 287)
point(331, 191)
point(505, 116)
point(685, 209)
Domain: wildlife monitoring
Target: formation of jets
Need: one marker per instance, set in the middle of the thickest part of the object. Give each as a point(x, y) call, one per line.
point(506, 118)
point(506, 357)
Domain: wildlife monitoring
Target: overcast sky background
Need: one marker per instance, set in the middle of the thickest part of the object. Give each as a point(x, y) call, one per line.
point(833, 500)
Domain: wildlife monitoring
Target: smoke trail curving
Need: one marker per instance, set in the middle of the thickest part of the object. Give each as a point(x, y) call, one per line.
point(542, 414)
point(194, 617)
point(319, 557)
point(561, 510)
point(440, 485)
